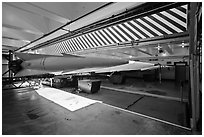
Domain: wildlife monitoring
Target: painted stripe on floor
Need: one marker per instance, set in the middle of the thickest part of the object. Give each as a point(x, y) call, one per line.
point(145, 94)
point(67, 100)
point(152, 118)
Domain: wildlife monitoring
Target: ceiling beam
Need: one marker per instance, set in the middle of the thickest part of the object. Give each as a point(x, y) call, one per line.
point(7, 47)
point(10, 38)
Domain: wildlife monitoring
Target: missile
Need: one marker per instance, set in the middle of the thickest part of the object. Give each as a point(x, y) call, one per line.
point(35, 64)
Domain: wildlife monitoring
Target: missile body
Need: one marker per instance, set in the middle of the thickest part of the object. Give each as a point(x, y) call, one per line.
point(68, 63)
point(38, 64)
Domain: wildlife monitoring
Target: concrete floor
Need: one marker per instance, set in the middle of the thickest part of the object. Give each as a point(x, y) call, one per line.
point(176, 112)
point(165, 88)
point(148, 98)
point(25, 112)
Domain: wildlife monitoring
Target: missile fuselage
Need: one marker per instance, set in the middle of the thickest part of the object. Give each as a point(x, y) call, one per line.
point(69, 63)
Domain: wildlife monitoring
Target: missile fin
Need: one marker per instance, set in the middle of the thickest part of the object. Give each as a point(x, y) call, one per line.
point(125, 67)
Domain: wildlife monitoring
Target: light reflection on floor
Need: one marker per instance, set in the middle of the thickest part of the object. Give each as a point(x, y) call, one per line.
point(67, 100)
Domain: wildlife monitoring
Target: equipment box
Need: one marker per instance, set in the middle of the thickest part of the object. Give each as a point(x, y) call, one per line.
point(89, 86)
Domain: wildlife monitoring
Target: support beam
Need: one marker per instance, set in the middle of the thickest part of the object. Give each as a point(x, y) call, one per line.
point(194, 65)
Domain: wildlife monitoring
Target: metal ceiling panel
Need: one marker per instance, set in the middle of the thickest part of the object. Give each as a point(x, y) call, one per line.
point(38, 9)
point(68, 10)
point(163, 23)
point(16, 34)
point(31, 20)
point(13, 42)
point(22, 19)
point(101, 14)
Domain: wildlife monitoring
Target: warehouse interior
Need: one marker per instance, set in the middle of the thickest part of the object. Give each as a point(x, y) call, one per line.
point(72, 68)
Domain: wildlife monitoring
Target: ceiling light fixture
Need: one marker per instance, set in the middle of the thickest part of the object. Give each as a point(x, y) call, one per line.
point(182, 44)
point(158, 47)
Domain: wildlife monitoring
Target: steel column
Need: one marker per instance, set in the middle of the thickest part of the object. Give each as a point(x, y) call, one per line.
point(194, 65)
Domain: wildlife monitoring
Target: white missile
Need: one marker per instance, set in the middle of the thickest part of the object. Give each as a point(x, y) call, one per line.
point(35, 64)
